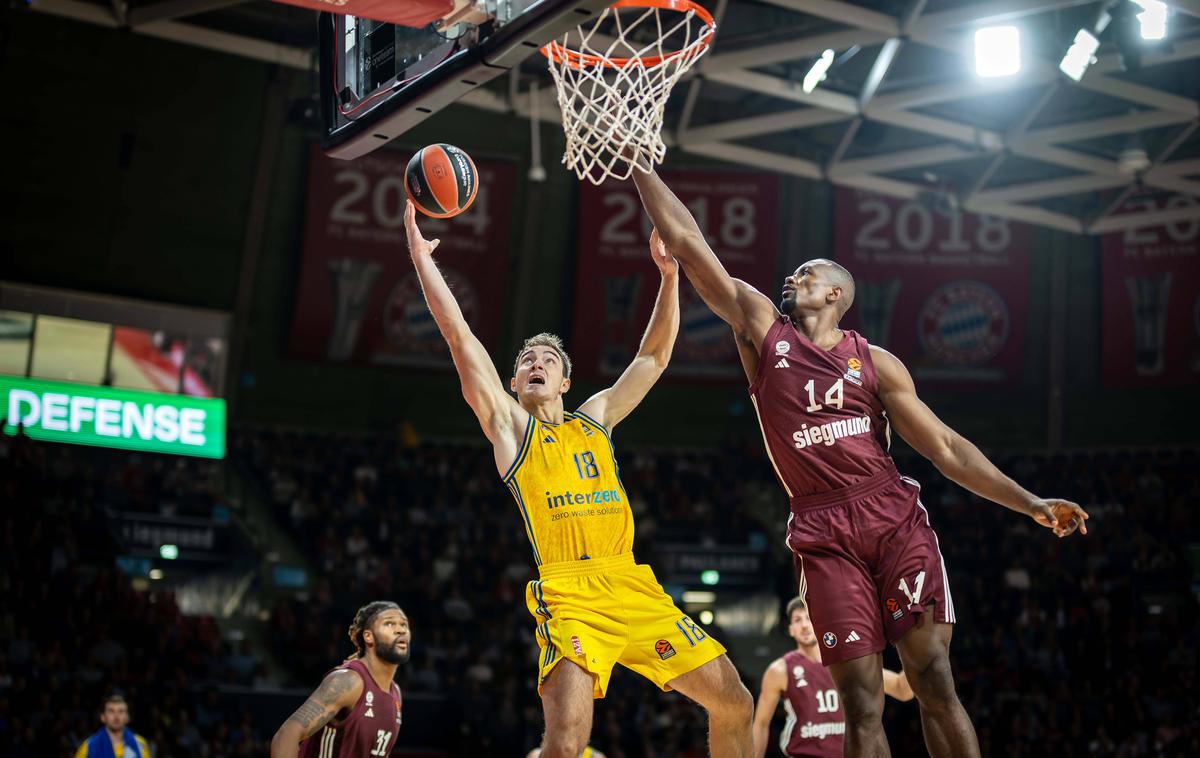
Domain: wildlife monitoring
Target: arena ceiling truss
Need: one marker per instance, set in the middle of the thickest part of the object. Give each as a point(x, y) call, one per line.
point(901, 111)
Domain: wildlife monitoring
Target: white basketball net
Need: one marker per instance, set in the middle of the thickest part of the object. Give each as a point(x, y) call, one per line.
point(612, 89)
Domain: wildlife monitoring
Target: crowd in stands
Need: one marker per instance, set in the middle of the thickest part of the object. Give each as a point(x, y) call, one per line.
point(74, 627)
point(429, 527)
point(1084, 646)
point(1078, 647)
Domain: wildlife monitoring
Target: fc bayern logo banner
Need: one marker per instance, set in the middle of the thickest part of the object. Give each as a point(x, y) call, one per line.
point(358, 299)
point(1152, 299)
point(616, 282)
point(945, 291)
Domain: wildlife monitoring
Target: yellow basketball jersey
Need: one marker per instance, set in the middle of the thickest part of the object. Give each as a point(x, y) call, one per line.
point(568, 489)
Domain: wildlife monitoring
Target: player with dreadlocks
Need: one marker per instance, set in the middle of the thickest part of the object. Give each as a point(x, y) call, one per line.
point(356, 710)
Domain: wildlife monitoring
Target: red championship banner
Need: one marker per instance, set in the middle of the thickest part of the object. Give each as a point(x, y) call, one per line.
point(945, 291)
point(358, 299)
point(1152, 300)
point(616, 282)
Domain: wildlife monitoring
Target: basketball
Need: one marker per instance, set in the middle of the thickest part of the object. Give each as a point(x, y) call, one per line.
point(441, 180)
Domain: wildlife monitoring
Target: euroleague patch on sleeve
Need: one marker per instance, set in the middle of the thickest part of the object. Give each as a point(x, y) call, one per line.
point(664, 649)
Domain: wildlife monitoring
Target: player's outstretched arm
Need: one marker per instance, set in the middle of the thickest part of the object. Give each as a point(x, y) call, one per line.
point(612, 405)
point(958, 459)
point(774, 682)
point(895, 685)
point(497, 412)
point(339, 691)
point(738, 304)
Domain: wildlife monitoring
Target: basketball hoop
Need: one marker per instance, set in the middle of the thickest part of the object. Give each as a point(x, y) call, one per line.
point(614, 74)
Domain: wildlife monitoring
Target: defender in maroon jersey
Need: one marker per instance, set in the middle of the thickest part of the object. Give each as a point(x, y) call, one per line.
point(867, 560)
point(357, 709)
point(814, 725)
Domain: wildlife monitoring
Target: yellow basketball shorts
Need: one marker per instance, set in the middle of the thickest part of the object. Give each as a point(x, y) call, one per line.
point(603, 611)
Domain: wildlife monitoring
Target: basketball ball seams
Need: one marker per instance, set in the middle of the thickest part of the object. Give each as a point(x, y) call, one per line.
point(419, 190)
point(441, 180)
point(439, 173)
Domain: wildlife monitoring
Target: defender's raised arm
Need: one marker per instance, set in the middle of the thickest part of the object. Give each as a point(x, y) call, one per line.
point(744, 308)
point(610, 406)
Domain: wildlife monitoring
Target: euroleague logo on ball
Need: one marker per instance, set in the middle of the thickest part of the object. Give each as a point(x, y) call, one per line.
point(407, 322)
point(964, 322)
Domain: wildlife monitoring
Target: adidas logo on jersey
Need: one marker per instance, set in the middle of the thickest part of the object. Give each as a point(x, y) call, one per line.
point(548, 439)
point(782, 363)
point(853, 637)
point(370, 713)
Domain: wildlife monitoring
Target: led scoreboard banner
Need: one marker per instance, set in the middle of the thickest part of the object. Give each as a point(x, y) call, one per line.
point(85, 414)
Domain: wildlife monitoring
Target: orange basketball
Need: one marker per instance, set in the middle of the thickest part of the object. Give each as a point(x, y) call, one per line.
point(441, 180)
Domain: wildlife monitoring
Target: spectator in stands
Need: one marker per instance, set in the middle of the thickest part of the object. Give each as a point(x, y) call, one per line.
point(115, 739)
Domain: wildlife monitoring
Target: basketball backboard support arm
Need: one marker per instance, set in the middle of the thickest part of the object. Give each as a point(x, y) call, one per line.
point(464, 70)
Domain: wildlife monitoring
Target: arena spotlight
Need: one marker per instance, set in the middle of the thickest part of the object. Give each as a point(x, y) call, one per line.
point(156, 574)
point(168, 552)
point(1081, 54)
point(706, 617)
point(711, 577)
point(1152, 19)
point(997, 51)
point(817, 73)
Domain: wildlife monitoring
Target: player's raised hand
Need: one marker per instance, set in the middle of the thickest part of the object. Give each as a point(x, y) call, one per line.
point(661, 255)
point(417, 245)
point(1063, 516)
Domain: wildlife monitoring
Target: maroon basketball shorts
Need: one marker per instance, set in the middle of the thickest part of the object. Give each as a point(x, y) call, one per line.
point(868, 564)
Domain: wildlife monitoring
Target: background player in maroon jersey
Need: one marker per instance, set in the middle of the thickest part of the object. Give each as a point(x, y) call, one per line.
point(814, 712)
point(867, 559)
point(356, 710)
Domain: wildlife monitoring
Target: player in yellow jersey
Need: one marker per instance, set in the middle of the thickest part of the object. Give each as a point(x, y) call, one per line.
point(594, 606)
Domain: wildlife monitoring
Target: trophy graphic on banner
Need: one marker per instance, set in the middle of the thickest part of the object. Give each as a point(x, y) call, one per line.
point(353, 280)
point(620, 302)
point(1149, 296)
point(878, 300)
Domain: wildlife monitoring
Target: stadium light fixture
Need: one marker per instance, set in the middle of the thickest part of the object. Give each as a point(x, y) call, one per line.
point(701, 597)
point(711, 577)
point(706, 617)
point(817, 73)
point(997, 51)
point(1080, 55)
point(168, 552)
point(1152, 19)
point(156, 574)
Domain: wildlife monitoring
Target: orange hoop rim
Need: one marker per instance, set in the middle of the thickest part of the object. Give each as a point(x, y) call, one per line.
point(559, 53)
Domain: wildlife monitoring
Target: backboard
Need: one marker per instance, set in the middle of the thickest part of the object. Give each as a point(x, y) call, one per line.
point(379, 79)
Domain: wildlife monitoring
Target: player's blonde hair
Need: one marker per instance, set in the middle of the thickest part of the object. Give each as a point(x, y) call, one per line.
point(546, 339)
point(362, 622)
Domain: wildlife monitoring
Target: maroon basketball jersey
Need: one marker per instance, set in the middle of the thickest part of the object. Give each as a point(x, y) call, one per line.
point(815, 725)
point(822, 421)
point(369, 730)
